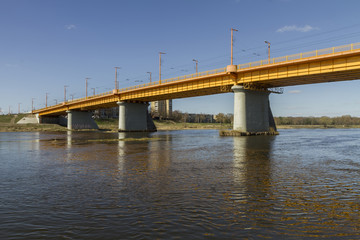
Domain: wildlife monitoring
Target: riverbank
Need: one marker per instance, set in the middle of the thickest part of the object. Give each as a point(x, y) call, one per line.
point(112, 125)
point(8, 124)
point(315, 126)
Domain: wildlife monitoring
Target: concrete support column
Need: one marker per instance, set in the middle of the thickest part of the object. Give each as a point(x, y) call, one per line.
point(251, 110)
point(69, 120)
point(80, 120)
point(134, 117)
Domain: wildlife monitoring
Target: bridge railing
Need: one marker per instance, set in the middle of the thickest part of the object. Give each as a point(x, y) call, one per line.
point(316, 53)
point(89, 97)
point(289, 58)
point(219, 70)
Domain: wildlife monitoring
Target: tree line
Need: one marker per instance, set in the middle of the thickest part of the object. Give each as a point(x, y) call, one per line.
point(179, 116)
point(346, 120)
point(325, 121)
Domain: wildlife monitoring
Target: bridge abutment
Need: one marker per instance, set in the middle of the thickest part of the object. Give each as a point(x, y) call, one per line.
point(134, 117)
point(80, 120)
point(252, 113)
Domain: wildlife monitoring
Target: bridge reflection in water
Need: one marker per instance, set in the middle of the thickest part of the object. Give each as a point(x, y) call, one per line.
point(190, 184)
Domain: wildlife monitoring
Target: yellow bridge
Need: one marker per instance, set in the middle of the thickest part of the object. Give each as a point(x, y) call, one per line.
point(326, 65)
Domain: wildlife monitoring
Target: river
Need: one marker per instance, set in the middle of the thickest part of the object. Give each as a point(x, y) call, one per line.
point(189, 184)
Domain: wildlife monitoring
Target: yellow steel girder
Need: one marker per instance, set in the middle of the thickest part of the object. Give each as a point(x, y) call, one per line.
point(319, 66)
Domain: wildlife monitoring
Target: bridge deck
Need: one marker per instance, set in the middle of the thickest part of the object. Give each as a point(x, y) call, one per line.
point(326, 65)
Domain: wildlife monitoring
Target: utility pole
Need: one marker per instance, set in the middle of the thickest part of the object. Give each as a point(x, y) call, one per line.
point(268, 50)
point(65, 86)
point(19, 108)
point(160, 66)
point(150, 75)
point(116, 82)
point(196, 62)
point(32, 104)
point(9, 110)
point(86, 86)
point(232, 29)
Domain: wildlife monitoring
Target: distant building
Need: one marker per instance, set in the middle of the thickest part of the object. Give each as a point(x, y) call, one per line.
point(161, 109)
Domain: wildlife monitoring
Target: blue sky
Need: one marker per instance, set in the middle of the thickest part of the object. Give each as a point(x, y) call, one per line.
point(45, 45)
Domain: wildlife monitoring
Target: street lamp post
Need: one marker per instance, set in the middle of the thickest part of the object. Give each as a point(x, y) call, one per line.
point(196, 62)
point(232, 43)
point(72, 97)
point(268, 43)
point(150, 75)
point(46, 98)
point(32, 104)
point(93, 91)
point(160, 66)
point(65, 86)
point(116, 82)
point(86, 87)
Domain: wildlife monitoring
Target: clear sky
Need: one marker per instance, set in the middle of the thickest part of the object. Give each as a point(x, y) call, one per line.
point(45, 45)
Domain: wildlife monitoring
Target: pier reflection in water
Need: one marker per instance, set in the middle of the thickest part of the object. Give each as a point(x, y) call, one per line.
point(186, 184)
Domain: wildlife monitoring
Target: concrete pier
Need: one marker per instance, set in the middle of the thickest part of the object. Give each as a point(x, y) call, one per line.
point(134, 117)
point(252, 113)
point(80, 120)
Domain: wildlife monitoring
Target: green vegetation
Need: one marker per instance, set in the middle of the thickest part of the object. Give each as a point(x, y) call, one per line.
point(113, 125)
point(178, 116)
point(6, 118)
point(8, 123)
point(110, 124)
point(172, 125)
point(325, 122)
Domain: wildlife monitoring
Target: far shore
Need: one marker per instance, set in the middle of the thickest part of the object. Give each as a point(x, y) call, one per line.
point(8, 124)
point(316, 126)
point(161, 126)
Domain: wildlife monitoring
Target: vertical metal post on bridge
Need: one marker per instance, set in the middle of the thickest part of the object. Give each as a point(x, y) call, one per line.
point(150, 75)
point(86, 87)
point(232, 43)
point(160, 66)
point(116, 81)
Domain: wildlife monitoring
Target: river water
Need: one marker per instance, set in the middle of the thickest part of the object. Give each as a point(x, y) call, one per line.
point(189, 184)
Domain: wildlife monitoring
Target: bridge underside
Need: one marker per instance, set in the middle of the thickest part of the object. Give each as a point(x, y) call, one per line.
point(308, 79)
point(337, 66)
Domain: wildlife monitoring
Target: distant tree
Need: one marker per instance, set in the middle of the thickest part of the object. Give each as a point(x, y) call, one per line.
point(177, 116)
point(229, 118)
point(185, 117)
point(220, 118)
point(202, 117)
point(325, 121)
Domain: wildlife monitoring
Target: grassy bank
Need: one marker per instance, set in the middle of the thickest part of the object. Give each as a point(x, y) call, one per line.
point(112, 125)
point(7, 127)
point(8, 124)
point(171, 125)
